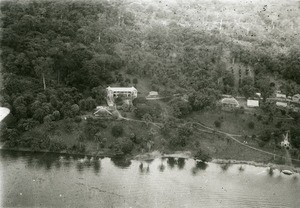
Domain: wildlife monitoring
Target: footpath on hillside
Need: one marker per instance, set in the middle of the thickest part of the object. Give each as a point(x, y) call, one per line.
point(207, 129)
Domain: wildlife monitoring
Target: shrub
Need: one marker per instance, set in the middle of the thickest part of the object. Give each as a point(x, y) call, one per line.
point(56, 146)
point(259, 117)
point(77, 119)
point(139, 100)
point(117, 130)
point(75, 109)
point(126, 145)
point(68, 126)
point(266, 136)
point(278, 124)
point(202, 155)
point(178, 141)
point(251, 125)
point(56, 115)
point(217, 124)
point(135, 81)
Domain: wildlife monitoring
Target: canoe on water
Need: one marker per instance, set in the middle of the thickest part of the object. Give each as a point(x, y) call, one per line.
point(287, 172)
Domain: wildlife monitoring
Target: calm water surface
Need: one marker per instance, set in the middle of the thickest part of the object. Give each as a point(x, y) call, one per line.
point(50, 180)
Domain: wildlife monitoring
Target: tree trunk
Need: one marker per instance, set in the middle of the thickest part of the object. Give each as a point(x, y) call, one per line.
point(44, 81)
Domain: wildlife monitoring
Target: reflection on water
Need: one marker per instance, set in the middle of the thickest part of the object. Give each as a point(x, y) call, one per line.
point(181, 163)
point(171, 162)
point(225, 166)
point(199, 166)
point(51, 180)
point(121, 162)
point(161, 166)
point(144, 168)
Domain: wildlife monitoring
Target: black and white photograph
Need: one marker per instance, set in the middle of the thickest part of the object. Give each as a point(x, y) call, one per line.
point(150, 103)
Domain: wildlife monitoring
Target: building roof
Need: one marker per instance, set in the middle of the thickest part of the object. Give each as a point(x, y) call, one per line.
point(122, 89)
point(230, 101)
point(153, 93)
point(258, 94)
point(254, 103)
point(102, 109)
point(282, 104)
point(279, 95)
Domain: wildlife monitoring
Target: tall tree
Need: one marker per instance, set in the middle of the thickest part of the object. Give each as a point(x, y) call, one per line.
point(43, 68)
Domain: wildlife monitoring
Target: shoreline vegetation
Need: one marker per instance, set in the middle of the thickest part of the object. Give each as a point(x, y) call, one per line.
point(144, 157)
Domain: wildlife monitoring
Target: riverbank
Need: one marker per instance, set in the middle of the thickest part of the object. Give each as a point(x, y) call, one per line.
point(143, 142)
point(157, 154)
point(188, 155)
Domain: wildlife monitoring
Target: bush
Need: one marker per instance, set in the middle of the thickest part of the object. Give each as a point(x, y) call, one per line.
point(139, 100)
point(117, 130)
point(77, 119)
point(203, 156)
point(56, 115)
point(251, 125)
point(179, 141)
point(135, 81)
point(68, 126)
point(266, 135)
point(126, 145)
point(57, 146)
point(259, 117)
point(278, 124)
point(217, 123)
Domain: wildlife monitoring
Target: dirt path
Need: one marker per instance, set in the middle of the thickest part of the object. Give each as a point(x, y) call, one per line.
point(232, 136)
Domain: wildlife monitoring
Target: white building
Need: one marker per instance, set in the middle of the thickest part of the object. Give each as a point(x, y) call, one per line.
point(153, 94)
point(127, 91)
point(252, 103)
point(280, 95)
point(281, 104)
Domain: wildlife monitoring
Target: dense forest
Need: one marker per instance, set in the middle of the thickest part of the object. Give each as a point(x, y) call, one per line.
point(58, 57)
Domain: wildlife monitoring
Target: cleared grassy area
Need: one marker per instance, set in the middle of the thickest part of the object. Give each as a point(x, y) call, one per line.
point(222, 147)
point(231, 122)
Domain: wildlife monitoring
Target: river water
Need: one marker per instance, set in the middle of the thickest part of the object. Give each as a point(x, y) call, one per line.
point(51, 180)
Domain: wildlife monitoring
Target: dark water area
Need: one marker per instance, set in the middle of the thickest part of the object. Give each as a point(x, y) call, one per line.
point(52, 180)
